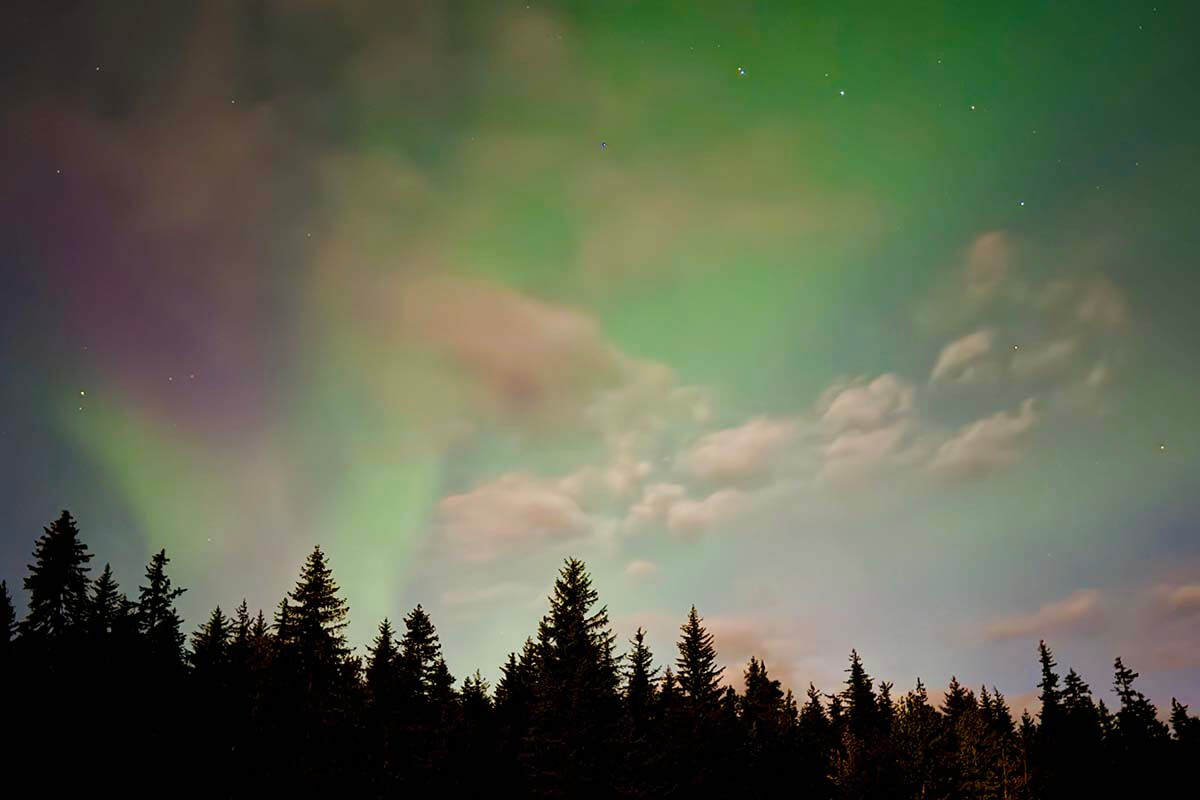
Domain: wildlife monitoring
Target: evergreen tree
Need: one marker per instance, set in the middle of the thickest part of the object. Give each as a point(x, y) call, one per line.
point(210, 648)
point(919, 738)
point(1082, 737)
point(887, 708)
point(420, 652)
point(762, 703)
point(57, 582)
point(1139, 740)
point(697, 673)
point(640, 688)
point(815, 742)
point(767, 732)
point(8, 620)
point(1186, 728)
point(1186, 746)
point(577, 706)
point(1138, 725)
point(105, 606)
point(311, 623)
point(958, 701)
point(442, 693)
point(514, 693)
point(160, 622)
point(381, 665)
point(859, 695)
point(1051, 696)
point(1047, 776)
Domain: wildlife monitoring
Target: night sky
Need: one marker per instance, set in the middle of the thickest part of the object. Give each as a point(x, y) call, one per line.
point(854, 324)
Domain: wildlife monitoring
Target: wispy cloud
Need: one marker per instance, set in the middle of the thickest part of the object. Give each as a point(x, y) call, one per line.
point(1078, 608)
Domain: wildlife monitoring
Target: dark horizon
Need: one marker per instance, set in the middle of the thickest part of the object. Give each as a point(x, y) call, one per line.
point(288, 706)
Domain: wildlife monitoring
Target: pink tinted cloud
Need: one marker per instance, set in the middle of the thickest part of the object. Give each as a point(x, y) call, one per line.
point(1073, 611)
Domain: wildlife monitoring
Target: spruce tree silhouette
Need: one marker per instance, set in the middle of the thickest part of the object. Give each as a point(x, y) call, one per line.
point(105, 606)
point(641, 688)
point(381, 666)
point(576, 708)
point(160, 623)
point(57, 583)
point(697, 672)
point(1138, 743)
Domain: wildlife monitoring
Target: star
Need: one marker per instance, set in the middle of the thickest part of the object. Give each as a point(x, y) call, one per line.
point(1162, 447)
point(82, 393)
point(842, 92)
point(170, 377)
point(741, 70)
point(972, 106)
point(192, 376)
point(1016, 347)
point(1022, 202)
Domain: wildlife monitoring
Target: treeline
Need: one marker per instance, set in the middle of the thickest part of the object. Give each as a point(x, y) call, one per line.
point(106, 691)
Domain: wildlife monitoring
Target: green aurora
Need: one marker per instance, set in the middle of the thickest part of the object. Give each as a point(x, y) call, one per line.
point(854, 325)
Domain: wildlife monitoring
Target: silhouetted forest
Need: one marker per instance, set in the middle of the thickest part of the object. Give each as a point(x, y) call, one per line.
point(109, 692)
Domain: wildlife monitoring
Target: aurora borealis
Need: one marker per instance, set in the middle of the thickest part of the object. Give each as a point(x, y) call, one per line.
point(852, 325)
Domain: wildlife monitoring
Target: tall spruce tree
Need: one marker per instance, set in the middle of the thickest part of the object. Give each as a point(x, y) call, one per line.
point(381, 665)
point(105, 606)
point(697, 672)
point(1051, 696)
point(919, 737)
point(57, 582)
point(862, 718)
point(640, 680)
point(1138, 726)
point(420, 652)
point(210, 648)
point(311, 624)
point(160, 623)
point(1082, 737)
point(577, 707)
point(815, 744)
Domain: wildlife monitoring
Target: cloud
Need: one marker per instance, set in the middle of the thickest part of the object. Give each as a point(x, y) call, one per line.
point(986, 444)
point(1178, 600)
point(1093, 300)
point(855, 453)
point(988, 263)
point(955, 361)
point(1050, 358)
point(866, 406)
point(532, 358)
point(737, 638)
point(656, 502)
point(737, 454)
point(641, 569)
point(688, 517)
point(1077, 608)
point(512, 510)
